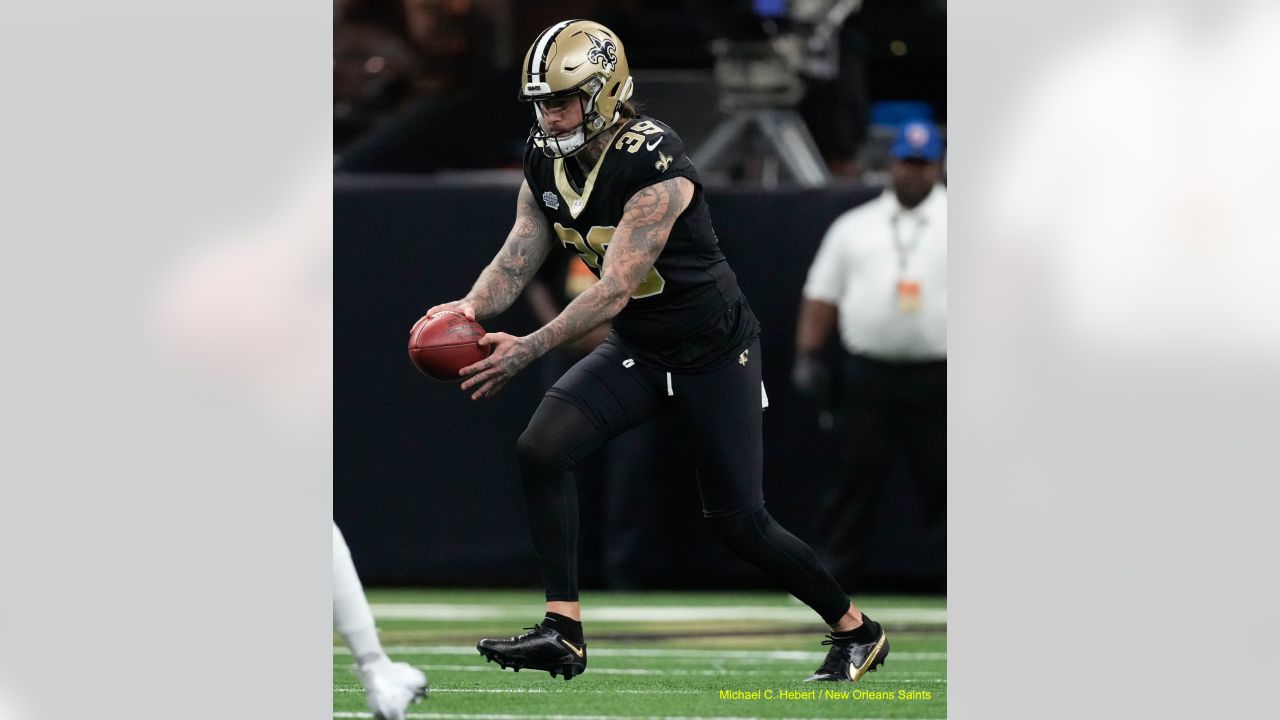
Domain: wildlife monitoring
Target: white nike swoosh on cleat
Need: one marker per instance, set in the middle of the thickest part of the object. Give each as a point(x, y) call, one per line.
point(654, 144)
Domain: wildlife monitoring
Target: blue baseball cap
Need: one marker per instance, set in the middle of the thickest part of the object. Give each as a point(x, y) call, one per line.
point(917, 139)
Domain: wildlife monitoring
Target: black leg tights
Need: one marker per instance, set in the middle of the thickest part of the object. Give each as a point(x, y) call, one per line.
point(764, 543)
point(604, 395)
point(558, 436)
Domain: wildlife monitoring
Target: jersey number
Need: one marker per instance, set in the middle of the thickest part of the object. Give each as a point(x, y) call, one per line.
point(593, 249)
point(634, 138)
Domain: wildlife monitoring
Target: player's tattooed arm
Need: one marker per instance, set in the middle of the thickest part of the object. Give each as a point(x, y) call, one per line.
point(641, 235)
point(524, 251)
point(637, 242)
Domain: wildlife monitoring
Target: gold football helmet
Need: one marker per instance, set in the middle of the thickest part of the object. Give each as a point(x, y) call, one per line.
point(575, 58)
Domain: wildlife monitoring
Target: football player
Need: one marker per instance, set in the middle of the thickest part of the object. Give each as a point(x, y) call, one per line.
point(617, 188)
point(391, 686)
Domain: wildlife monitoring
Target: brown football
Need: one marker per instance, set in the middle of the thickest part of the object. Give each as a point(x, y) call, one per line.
point(444, 343)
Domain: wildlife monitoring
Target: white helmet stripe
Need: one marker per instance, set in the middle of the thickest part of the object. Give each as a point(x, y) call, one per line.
point(538, 58)
point(533, 54)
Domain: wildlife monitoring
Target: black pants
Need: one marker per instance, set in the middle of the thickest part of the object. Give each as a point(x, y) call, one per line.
point(893, 412)
point(626, 539)
point(608, 392)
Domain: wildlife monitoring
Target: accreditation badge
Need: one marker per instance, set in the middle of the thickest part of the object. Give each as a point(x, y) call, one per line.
point(908, 296)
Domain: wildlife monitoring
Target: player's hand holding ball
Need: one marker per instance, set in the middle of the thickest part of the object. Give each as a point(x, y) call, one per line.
point(459, 306)
point(510, 355)
point(462, 307)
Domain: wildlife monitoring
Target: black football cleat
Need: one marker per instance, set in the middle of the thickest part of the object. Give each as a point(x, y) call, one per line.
point(849, 661)
point(539, 649)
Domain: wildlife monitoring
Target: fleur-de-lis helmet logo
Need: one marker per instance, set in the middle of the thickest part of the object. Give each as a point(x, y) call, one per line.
point(603, 52)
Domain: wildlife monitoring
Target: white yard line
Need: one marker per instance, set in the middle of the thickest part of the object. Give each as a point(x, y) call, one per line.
point(494, 716)
point(486, 716)
point(576, 691)
point(641, 613)
point(487, 668)
point(435, 690)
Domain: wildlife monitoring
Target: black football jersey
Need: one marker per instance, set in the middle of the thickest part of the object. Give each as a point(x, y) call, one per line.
point(688, 312)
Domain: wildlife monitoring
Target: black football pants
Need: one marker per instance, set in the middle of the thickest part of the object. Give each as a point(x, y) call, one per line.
point(608, 392)
point(893, 412)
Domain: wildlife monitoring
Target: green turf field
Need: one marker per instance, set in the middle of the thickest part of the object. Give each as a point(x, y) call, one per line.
point(654, 655)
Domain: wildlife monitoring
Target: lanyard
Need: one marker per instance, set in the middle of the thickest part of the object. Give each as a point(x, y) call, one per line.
point(905, 248)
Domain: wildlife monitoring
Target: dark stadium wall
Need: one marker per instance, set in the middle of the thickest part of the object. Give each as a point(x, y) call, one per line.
point(426, 487)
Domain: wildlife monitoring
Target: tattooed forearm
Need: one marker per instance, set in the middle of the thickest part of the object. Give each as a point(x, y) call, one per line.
point(597, 305)
point(638, 241)
point(527, 246)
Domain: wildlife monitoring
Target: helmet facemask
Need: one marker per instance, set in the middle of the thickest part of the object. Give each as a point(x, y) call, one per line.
point(571, 141)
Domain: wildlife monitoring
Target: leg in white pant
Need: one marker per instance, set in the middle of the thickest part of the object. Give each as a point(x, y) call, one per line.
point(351, 615)
point(391, 686)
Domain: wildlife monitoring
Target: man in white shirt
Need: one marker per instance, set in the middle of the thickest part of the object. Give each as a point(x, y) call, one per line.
point(881, 273)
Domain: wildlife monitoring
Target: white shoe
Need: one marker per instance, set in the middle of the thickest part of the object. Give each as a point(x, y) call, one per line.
point(392, 687)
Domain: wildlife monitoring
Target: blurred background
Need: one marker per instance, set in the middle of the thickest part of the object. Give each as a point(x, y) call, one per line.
point(789, 110)
point(412, 77)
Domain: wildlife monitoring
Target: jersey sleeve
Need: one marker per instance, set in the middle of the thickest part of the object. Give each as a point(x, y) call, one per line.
point(827, 274)
point(652, 153)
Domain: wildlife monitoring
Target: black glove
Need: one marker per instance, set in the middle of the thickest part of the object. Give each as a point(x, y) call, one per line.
point(810, 377)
